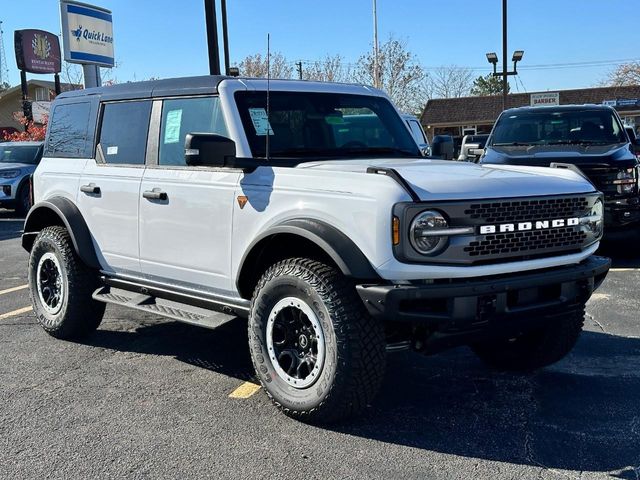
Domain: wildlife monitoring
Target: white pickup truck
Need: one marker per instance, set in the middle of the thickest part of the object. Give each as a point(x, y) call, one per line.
point(210, 198)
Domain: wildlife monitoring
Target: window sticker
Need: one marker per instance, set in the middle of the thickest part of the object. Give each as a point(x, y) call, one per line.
point(260, 121)
point(112, 150)
point(172, 126)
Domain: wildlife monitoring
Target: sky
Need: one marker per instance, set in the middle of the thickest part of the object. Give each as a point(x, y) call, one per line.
point(567, 43)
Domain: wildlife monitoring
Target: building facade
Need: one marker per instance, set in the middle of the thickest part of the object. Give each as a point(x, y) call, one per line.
point(476, 115)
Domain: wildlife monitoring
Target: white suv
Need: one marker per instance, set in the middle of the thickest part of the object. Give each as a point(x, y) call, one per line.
point(309, 210)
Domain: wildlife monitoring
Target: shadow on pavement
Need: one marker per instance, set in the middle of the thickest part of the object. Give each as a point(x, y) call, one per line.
point(223, 350)
point(10, 225)
point(624, 253)
point(581, 414)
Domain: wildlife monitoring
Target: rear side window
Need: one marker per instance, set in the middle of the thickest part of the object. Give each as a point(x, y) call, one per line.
point(123, 133)
point(187, 115)
point(417, 132)
point(69, 131)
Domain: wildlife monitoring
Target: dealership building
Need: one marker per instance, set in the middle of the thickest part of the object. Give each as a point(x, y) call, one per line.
point(471, 115)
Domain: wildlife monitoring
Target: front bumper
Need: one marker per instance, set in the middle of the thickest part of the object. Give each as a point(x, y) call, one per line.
point(473, 304)
point(620, 213)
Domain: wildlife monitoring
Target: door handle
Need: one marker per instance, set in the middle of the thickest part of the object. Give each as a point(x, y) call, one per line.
point(155, 194)
point(92, 188)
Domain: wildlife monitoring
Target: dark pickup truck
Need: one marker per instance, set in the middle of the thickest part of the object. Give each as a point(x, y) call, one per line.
point(589, 137)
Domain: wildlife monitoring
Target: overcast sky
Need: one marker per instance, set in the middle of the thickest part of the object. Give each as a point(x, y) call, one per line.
point(166, 38)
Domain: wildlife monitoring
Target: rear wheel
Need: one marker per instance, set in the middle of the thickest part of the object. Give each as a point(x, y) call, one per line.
point(317, 352)
point(535, 349)
point(61, 286)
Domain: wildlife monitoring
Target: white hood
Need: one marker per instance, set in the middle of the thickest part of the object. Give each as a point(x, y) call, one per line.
point(449, 180)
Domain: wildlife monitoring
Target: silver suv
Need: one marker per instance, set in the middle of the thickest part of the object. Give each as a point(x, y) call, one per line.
point(18, 161)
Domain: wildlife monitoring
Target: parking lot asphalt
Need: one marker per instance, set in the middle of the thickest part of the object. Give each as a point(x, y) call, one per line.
point(146, 397)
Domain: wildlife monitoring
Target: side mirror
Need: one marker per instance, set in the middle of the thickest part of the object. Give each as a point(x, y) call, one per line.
point(442, 147)
point(424, 149)
point(208, 150)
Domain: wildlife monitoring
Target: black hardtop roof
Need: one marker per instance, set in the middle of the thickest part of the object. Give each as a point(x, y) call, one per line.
point(558, 108)
point(206, 84)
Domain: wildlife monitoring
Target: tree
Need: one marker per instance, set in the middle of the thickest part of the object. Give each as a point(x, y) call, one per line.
point(450, 81)
point(624, 75)
point(488, 85)
point(256, 66)
point(401, 77)
point(33, 131)
point(329, 69)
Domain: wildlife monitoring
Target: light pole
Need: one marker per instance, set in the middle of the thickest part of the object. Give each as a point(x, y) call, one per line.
point(492, 58)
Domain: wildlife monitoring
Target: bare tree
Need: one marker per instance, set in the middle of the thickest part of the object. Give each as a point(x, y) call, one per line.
point(329, 69)
point(624, 75)
point(72, 74)
point(450, 81)
point(256, 66)
point(401, 77)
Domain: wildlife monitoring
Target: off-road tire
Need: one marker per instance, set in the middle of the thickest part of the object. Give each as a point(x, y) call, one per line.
point(355, 357)
point(536, 349)
point(79, 314)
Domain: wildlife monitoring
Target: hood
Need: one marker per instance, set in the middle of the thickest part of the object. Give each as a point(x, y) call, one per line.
point(449, 180)
point(14, 166)
point(543, 155)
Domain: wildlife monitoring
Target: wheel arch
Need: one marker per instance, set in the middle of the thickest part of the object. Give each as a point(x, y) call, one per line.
point(60, 211)
point(302, 237)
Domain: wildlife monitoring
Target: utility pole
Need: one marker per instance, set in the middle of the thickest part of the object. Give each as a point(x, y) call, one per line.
point(225, 36)
point(504, 55)
point(4, 68)
point(212, 36)
point(376, 62)
point(299, 68)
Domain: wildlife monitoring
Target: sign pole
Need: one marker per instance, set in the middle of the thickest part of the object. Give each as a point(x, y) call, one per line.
point(26, 104)
point(91, 75)
point(212, 36)
point(56, 80)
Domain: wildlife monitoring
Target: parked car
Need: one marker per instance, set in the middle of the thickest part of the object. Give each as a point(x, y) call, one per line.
point(588, 138)
point(197, 200)
point(18, 160)
point(472, 147)
point(417, 133)
point(633, 139)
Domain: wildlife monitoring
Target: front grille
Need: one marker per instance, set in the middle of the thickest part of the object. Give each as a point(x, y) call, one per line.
point(526, 242)
point(526, 210)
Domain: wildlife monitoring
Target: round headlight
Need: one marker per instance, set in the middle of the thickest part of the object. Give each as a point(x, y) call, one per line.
point(596, 219)
point(424, 235)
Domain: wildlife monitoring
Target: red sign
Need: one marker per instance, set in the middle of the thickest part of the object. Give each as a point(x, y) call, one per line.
point(37, 51)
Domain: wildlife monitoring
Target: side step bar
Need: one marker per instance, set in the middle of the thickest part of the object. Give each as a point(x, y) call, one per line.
point(163, 307)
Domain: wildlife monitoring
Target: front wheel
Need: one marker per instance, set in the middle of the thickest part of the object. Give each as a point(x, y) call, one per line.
point(317, 352)
point(535, 349)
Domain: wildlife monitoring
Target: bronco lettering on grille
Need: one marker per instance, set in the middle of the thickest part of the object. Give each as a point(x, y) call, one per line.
point(524, 226)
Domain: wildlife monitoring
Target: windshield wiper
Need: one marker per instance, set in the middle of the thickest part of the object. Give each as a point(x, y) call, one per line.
point(512, 144)
point(577, 142)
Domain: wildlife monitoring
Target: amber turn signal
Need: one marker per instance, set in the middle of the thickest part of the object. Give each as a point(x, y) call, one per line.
point(395, 230)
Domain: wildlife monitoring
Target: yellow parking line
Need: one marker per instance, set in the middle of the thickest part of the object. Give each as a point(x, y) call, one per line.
point(15, 312)
point(13, 289)
point(245, 390)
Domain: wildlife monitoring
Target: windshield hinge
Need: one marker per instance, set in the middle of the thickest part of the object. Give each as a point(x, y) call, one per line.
point(392, 173)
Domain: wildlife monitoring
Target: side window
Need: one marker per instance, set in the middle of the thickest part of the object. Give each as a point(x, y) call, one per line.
point(123, 134)
point(187, 115)
point(69, 131)
point(417, 132)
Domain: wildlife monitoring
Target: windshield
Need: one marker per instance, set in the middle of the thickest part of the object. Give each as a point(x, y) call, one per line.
point(19, 154)
point(304, 124)
point(580, 127)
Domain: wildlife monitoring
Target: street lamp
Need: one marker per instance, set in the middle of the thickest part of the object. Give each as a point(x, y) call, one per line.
point(492, 58)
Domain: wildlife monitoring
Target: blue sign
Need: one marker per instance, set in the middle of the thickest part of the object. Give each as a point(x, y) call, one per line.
point(87, 33)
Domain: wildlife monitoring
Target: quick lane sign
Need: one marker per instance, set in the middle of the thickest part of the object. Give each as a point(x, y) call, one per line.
point(540, 99)
point(87, 34)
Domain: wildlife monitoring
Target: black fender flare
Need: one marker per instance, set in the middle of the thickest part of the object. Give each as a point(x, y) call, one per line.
point(40, 216)
point(338, 246)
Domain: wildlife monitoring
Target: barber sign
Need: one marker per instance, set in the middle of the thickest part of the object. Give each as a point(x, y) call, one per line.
point(87, 34)
point(541, 99)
